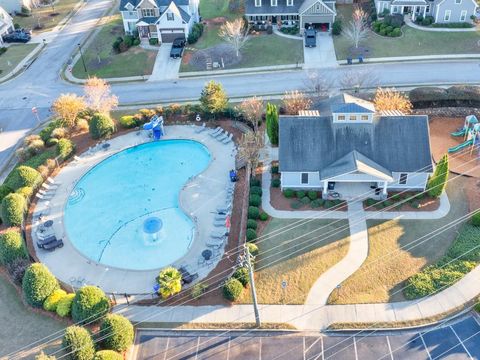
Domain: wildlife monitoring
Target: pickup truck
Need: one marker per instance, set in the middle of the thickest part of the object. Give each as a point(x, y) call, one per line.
point(310, 38)
point(177, 48)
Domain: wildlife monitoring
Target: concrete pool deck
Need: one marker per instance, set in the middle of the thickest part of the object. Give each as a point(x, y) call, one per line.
point(198, 199)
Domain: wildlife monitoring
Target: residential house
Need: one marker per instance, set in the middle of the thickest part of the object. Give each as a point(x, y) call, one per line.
point(354, 150)
point(6, 24)
point(304, 13)
point(442, 11)
point(165, 20)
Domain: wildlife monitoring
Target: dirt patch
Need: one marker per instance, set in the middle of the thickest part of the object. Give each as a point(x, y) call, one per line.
point(463, 162)
point(216, 21)
point(223, 54)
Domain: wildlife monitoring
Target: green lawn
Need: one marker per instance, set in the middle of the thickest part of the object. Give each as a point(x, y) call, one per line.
point(47, 17)
point(412, 43)
point(14, 55)
point(390, 261)
point(102, 61)
point(210, 9)
point(299, 261)
point(20, 325)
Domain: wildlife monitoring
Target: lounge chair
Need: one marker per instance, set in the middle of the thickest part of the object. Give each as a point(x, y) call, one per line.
point(224, 209)
point(223, 136)
point(50, 186)
point(44, 196)
point(219, 217)
point(218, 134)
point(228, 140)
point(47, 192)
point(201, 128)
point(219, 223)
point(215, 132)
point(219, 234)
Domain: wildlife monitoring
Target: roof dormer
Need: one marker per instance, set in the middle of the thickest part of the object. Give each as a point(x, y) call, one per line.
point(353, 110)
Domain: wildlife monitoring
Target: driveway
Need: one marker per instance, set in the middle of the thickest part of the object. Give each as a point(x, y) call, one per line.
point(322, 56)
point(165, 67)
point(459, 340)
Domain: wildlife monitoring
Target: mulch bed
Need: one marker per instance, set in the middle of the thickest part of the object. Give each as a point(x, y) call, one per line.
point(280, 202)
point(425, 204)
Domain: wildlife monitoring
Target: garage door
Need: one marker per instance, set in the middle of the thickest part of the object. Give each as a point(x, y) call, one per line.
point(168, 37)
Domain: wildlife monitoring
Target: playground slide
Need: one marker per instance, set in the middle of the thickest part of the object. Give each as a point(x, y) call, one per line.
point(459, 133)
point(460, 146)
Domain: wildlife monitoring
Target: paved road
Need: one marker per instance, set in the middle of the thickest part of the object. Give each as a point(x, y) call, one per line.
point(460, 340)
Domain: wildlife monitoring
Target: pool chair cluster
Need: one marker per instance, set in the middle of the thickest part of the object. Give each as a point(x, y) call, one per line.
point(45, 234)
point(221, 135)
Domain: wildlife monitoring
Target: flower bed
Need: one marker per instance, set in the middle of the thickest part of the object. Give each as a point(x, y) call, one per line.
point(403, 201)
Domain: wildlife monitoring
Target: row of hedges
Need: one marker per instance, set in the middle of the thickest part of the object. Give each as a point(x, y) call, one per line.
point(397, 201)
point(383, 29)
point(462, 256)
point(311, 198)
point(254, 213)
point(460, 95)
point(235, 285)
point(195, 33)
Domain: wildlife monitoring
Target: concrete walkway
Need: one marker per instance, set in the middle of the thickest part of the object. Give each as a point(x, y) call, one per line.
point(356, 256)
point(165, 68)
point(409, 22)
point(279, 33)
point(321, 56)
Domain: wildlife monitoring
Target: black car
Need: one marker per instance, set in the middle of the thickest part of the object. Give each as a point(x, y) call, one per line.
point(310, 38)
point(177, 48)
point(17, 37)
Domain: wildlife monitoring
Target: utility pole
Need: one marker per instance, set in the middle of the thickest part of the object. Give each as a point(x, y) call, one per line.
point(252, 286)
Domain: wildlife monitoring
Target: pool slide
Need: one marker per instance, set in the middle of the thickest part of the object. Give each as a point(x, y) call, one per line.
point(459, 133)
point(460, 146)
point(155, 125)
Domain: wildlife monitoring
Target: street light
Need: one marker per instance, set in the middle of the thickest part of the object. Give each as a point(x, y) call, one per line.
point(81, 55)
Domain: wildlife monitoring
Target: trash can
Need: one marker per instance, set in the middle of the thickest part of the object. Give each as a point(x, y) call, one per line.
point(349, 61)
point(360, 59)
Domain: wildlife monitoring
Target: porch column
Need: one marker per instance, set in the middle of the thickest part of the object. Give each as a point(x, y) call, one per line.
point(384, 190)
point(414, 12)
point(325, 190)
point(424, 11)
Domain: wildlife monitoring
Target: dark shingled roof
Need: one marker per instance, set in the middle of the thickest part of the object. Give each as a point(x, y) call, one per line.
point(267, 8)
point(160, 3)
point(351, 108)
point(397, 143)
point(148, 20)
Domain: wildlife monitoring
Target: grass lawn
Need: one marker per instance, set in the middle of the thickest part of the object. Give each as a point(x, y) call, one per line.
point(382, 276)
point(103, 62)
point(413, 42)
point(298, 261)
point(210, 9)
point(47, 17)
point(14, 55)
point(20, 325)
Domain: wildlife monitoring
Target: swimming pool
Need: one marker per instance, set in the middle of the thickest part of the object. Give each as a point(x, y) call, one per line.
point(124, 212)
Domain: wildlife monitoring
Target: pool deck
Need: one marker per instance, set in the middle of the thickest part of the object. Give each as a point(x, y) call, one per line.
point(198, 199)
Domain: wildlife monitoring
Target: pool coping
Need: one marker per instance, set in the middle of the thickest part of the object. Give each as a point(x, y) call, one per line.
point(58, 261)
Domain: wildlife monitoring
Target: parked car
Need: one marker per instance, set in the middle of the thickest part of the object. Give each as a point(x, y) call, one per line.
point(17, 37)
point(310, 38)
point(177, 48)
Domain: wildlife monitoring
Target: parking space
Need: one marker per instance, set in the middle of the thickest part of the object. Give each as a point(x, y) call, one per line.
point(457, 341)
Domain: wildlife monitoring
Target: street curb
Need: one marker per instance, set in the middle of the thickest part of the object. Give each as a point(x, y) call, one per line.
point(406, 59)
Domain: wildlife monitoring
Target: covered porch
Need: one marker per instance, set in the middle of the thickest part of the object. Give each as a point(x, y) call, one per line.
point(354, 191)
point(412, 8)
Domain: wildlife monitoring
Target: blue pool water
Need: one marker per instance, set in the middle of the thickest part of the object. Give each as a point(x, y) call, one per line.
point(124, 212)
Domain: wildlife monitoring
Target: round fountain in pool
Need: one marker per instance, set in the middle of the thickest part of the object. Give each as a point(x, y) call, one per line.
point(124, 212)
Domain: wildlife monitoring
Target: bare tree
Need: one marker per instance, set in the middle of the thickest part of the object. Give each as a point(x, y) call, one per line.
point(98, 96)
point(359, 79)
point(391, 99)
point(295, 101)
point(67, 107)
point(249, 149)
point(357, 28)
point(235, 33)
point(252, 109)
point(319, 83)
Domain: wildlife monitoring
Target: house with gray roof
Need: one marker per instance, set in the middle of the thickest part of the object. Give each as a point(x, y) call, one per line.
point(354, 146)
point(165, 20)
point(304, 13)
point(442, 11)
point(6, 24)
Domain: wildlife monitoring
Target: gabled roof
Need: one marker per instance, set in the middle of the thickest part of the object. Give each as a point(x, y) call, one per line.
point(159, 3)
point(351, 109)
point(346, 103)
point(267, 8)
point(185, 16)
point(307, 4)
point(397, 143)
point(356, 162)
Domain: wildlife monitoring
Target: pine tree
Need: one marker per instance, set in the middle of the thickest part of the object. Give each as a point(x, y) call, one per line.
point(438, 181)
point(272, 123)
point(213, 98)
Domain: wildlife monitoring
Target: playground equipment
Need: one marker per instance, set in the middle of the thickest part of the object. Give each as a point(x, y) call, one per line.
point(469, 120)
point(156, 125)
point(471, 138)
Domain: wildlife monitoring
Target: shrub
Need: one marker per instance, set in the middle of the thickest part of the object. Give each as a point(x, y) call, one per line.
point(82, 125)
point(255, 183)
point(275, 183)
point(128, 122)
point(394, 20)
point(23, 176)
point(170, 281)
point(90, 304)
point(317, 203)
point(296, 204)
point(255, 200)
point(477, 307)
point(232, 289)
point(274, 169)
point(38, 284)
point(107, 355)
point(256, 190)
point(195, 33)
point(78, 343)
point(300, 194)
point(271, 118)
point(312, 195)
point(4, 191)
point(46, 132)
point(475, 219)
point(370, 202)
point(252, 249)
point(438, 181)
point(337, 27)
point(101, 126)
point(253, 212)
point(288, 193)
point(305, 200)
point(241, 274)
point(153, 41)
point(263, 216)
point(17, 269)
point(251, 224)
point(328, 204)
point(43, 356)
point(198, 290)
point(117, 333)
point(251, 234)
point(64, 306)
point(13, 209)
point(59, 133)
point(467, 244)
point(428, 96)
point(12, 246)
point(65, 148)
point(396, 32)
point(51, 302)
point(26, 192)
point(52, 142)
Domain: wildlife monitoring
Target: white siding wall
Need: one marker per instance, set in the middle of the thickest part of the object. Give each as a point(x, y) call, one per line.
point(294, 180)
point(414, 181)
